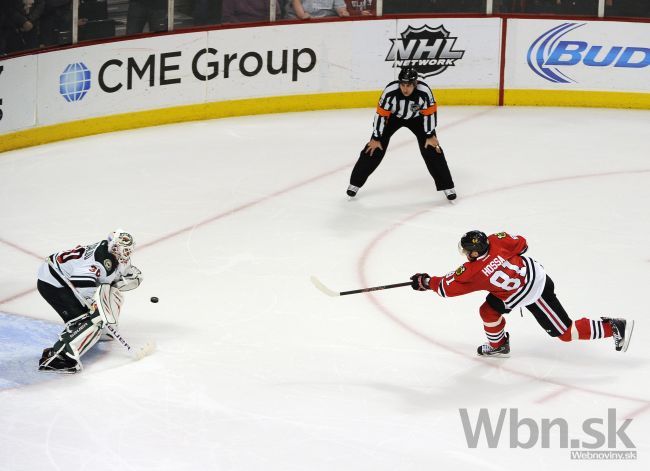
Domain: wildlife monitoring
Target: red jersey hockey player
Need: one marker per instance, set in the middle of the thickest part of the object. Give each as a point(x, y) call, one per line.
point(497, 264)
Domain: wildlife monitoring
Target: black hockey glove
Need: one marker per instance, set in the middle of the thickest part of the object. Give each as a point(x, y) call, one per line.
point(420, 281)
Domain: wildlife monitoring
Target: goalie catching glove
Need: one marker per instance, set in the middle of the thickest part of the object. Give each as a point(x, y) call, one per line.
point(420, 282)
point(130, 280)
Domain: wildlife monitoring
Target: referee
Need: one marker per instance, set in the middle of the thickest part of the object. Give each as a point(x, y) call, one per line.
point(407, 102)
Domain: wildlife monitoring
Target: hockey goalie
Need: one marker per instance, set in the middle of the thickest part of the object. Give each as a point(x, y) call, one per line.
point(85, 286)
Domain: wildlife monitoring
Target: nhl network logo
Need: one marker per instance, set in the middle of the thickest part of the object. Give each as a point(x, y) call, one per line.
point(429, 49)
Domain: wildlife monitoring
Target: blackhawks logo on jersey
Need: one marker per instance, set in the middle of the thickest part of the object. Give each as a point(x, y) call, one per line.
point(501, 235)
point(460, 270)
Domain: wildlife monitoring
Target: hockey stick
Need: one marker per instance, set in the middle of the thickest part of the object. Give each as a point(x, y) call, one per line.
point(318, 284)
point(138, 354)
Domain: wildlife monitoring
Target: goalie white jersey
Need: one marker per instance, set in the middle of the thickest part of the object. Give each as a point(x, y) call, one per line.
point(85, 266)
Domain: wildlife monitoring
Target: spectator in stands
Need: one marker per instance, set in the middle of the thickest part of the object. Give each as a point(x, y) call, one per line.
point(568, 7)
point(361, 7)
point(581, 7)
point(633, 8)
point(528, 6)
point(458, 6)
point(146, 12)
point(56, 19)
point(407, 6)
point(208, 12)
point(510, 6)
point(438, 6)
point(307, 9)
point(236, 11)
point(22, 24)
point(3, 10)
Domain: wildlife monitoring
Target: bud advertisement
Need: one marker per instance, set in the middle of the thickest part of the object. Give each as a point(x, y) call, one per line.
point(578, 55)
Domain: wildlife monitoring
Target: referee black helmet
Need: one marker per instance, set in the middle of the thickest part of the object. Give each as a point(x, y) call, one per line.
point(408, 75)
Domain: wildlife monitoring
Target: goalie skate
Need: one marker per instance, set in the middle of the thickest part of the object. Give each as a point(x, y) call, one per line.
point(58, 363)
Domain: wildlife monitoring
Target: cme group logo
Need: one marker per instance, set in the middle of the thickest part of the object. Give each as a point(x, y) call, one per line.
point(550, 52)
point(74, 82)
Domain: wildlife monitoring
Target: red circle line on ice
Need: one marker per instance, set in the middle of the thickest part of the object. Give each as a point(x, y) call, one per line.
point(644, 404)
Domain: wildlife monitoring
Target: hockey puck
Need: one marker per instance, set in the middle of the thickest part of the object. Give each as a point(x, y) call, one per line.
point(154, 299)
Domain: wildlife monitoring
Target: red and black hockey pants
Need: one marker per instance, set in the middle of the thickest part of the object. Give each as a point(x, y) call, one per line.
point(550, 315)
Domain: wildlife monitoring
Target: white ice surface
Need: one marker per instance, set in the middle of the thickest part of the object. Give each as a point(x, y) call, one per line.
point(256, 369)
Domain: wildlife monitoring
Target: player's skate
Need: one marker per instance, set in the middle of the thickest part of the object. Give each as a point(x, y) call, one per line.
point(621, 331)
point(450, 194)
point(58, 363)
point(352, 191)
point(487, 350)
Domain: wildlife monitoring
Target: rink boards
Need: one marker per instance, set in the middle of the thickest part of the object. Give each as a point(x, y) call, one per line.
point(268, 69)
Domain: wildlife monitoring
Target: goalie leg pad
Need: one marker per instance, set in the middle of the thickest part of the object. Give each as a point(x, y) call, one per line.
point(77, 338)
point(109, 301)
point(81, 339)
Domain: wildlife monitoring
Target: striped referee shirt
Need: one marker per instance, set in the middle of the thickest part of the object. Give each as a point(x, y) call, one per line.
point(393, 102)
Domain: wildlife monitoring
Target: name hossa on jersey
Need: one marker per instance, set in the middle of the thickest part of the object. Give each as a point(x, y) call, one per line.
point(503, 270)
point(85, 266)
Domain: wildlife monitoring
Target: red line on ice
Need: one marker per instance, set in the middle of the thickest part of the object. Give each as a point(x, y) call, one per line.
point(21, 249)
point(237, 209)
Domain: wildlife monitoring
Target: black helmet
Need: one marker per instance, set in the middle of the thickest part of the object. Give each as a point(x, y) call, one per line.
point(408, 74)
point(473, 241)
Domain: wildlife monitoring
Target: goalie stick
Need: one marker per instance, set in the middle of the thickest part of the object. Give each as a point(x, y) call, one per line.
point(318, 284)
point(138, 354)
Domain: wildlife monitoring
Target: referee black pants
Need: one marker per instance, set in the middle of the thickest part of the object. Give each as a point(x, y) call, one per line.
point(436, 162)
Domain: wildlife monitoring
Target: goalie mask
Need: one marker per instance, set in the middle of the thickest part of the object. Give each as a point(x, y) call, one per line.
point(121, 244)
